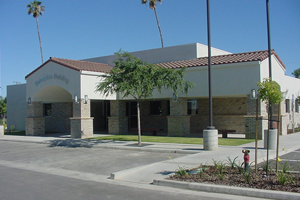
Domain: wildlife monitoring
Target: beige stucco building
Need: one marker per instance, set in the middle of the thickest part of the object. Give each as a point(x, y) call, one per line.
point(60, 96)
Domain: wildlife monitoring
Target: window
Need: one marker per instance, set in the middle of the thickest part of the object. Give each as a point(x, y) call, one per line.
point(47, 109)
point(287, 105)
point(192, 106)
point(155, 108)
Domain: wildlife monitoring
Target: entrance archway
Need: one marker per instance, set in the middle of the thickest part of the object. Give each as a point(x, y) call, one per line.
point(57, 108)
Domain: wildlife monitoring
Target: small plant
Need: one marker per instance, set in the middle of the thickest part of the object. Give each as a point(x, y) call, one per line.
point(202, 169)
point(240, 167)
point(12, 127)
point(247, 175)
point(286, 167)
point(283, 178)
point(181, 170)
point(220, 175)
point(219, 166)
point(265, 166)
point(232, 163)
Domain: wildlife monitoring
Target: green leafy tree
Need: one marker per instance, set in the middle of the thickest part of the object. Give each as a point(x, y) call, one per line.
point(269, 91)
point(152, 5)
point(134, 77)
point(36, 9)
point(3, 108)
point(296, 73)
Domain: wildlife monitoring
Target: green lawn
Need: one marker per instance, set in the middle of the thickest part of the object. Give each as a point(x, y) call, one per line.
point(14, 133)
point(181, 140)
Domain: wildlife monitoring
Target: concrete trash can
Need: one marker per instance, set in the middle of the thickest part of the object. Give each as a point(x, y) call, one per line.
point(210, 139)
point(272, 139)
point(1, 131)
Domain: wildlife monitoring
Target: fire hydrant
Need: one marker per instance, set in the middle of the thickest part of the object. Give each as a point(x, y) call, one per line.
point(246, 159)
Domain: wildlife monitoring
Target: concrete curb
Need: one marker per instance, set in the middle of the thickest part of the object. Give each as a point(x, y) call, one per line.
point(126, 172)
point(250, 192)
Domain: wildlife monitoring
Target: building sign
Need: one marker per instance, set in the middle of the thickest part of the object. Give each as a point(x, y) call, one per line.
point(55, 76)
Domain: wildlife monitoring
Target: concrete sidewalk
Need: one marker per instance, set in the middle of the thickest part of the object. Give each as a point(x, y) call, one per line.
point(195, 155)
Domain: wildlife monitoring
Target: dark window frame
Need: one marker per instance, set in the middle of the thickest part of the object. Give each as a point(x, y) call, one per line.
point(47, 109)
point(287, 106)
point(155, 108)
point(189, 109)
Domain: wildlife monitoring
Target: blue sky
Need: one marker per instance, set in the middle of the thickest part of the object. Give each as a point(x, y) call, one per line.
point(76, 29)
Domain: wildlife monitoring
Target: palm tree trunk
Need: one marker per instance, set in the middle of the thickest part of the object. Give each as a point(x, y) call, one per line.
point(38, 29)
point(139, 123)
point(161, 37)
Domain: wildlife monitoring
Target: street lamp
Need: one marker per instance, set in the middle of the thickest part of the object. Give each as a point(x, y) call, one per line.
point(254, 96)
point(210, 135)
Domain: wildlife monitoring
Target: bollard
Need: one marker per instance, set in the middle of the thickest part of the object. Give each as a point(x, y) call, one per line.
point(1, 131)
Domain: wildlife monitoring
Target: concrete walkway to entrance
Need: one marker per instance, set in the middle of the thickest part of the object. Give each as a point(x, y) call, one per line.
point(195, 155)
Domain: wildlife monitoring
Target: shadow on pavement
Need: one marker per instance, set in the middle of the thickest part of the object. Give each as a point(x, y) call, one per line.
point(73, 143)
point(165, 172)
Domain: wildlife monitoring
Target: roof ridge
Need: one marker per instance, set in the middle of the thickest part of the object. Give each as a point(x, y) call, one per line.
point(53, 58)
point(223, 59)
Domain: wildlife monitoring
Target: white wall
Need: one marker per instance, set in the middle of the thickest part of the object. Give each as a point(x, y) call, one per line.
point(89, 80)
point(16, 106)
point(227, 80)
point(287, 83)
point(53, 74)
point(166, 54)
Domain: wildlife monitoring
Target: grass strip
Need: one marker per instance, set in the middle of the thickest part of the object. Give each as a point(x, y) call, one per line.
point(180, 140)
point(14, 133)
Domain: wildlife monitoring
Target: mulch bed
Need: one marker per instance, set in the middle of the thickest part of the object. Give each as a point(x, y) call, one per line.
point(232, 177)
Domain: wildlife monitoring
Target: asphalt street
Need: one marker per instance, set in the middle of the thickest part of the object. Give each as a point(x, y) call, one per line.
point(292, 160)
point(32, 171)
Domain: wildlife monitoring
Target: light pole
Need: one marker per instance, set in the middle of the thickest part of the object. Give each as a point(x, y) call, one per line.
point(210, 135)
point(270, 124)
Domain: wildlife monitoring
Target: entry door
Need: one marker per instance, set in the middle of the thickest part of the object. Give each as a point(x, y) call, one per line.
point(106, 113)
point(131, 111)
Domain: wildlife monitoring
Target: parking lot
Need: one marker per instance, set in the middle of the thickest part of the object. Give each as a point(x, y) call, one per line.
point(292, 160)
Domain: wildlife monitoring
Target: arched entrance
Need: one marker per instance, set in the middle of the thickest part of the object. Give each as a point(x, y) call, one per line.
point(57, 108)
point(49, 111)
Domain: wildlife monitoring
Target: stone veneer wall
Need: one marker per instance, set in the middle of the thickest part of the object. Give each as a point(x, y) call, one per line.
point(35, 123)
point(59, 121)
point(82, 128)
point(117, 122)
point(81, 122)
point(35, 126)
point(179, 121)
point(155, 121)
point(228, 113)
point(229, 122)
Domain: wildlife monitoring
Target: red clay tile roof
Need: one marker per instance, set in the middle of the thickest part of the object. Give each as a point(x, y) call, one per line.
point(77, 65)
point(215, 60)
point(222, 59)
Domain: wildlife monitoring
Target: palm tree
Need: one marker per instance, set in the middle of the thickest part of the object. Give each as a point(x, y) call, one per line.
point(36, 9)
point(152, 5)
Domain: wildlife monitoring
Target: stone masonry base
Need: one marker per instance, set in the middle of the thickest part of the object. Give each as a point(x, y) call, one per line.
point(81, 127)
point(35, 126)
